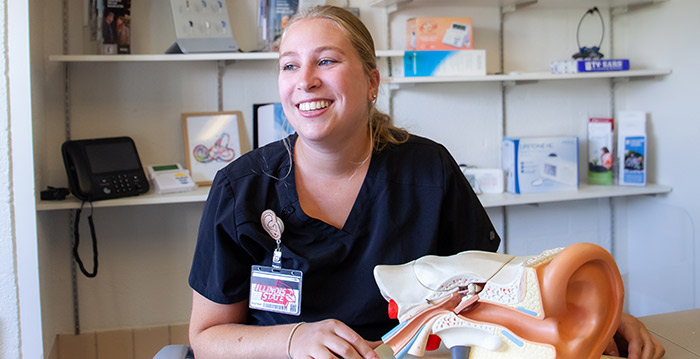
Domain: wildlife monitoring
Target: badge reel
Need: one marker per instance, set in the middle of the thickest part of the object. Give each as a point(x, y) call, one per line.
point(275, 289)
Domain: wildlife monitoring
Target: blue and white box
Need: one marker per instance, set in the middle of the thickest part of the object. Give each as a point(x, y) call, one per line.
point(443, 63)
point(591, 65)
point(541, 164)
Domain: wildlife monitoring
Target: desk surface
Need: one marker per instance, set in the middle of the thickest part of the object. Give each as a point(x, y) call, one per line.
point(678, 332)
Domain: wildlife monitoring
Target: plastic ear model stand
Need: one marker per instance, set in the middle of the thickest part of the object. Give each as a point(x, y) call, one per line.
point(564, 303)
point(201, 26)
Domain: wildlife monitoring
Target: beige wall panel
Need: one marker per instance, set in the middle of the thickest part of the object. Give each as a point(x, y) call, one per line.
point(179, 334)
point(148, 341)
point(115, 344)
point(81, 346)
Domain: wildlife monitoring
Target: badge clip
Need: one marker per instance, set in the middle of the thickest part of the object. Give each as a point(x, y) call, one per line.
point(274, 226)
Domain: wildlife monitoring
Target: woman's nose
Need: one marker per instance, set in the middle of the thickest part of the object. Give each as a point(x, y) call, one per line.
point(308, 79)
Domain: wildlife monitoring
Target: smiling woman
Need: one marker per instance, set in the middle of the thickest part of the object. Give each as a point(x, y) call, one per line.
point(349, 190)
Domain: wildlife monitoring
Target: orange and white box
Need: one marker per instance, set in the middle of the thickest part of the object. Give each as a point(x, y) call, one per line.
point(439, 33)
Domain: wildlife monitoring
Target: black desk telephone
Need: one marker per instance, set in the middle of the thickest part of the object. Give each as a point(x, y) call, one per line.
point(104, 168)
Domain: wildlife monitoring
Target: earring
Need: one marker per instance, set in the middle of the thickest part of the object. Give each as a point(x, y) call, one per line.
point(374, 97)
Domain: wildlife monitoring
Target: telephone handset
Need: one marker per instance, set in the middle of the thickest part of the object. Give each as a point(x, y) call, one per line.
point(103, 168)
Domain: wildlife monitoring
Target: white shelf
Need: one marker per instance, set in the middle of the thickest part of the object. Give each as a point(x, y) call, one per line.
point(529, 76)
point(255, 56)
point(516, 3)
point(198, 195)
point(487, 200)
point(167, 57)
point(585, 191)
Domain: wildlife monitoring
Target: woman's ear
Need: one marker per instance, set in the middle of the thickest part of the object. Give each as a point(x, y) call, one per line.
point(374, 79)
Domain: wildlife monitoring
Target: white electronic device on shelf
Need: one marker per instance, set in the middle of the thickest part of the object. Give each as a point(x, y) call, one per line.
point(457, 35)
point(201, 26)
point(170, 178)
point(484, 180)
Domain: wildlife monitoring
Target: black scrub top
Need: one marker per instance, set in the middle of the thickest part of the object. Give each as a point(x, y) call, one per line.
point(414, 201)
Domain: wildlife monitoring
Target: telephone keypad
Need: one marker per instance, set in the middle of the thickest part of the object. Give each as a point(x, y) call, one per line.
point(122, 184)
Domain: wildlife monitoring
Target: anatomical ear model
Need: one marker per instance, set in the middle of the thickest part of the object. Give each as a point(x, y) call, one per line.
point(563, 303)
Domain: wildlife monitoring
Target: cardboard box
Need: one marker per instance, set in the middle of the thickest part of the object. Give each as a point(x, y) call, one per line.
point(600, 150)
point(441, 63)
point(439, 33)
point(541, 164)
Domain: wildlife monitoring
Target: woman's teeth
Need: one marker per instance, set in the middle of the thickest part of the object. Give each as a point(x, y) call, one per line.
point(313, 105)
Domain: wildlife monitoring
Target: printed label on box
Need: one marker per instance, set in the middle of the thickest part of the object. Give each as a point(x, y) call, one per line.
point(541, 164)
point(439, 33)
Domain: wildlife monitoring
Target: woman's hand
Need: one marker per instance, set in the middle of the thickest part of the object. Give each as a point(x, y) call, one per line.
point(330, 339)
point(635, 339)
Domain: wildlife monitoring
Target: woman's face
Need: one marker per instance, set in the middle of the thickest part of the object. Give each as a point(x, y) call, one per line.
point(324, 91)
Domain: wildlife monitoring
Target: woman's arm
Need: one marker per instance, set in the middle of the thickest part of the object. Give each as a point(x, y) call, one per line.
point(217, 331)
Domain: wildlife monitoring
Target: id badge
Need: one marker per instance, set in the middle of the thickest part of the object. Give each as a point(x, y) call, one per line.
point(275, 290)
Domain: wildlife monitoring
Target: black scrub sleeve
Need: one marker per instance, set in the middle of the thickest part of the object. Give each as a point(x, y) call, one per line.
point(220, 267)
point(465, 224)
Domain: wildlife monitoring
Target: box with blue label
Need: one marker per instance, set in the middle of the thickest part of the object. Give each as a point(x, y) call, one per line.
point(590, 65)
point(541, 164)
point(443, 63)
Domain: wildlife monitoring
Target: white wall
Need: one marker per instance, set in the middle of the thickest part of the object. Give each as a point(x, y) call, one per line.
point(657, 244)
point(20, 311)
point(9, 310)
point(145, 251)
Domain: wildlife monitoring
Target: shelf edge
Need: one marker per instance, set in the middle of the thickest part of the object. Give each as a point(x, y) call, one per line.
point(487, 200)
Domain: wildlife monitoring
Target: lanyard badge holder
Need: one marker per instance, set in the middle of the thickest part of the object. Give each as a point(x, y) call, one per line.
point(275, 289)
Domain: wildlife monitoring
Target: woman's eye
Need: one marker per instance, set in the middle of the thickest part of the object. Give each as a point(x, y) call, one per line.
point(288, 67)
point(326, 62)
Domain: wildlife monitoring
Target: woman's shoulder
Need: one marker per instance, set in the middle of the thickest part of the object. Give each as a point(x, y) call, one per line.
point(419, 160)
point(417, 148)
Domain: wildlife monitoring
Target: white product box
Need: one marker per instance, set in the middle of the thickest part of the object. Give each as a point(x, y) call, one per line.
point(541, 164)
point(632, 148)
point(441, 63)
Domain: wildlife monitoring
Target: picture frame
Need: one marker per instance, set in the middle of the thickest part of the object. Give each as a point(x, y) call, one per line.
point(212, 141)
point(269, 124)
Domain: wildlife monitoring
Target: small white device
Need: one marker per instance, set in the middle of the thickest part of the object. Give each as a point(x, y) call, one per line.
point(457, 35)
point(556, 169)
point(488, 180)
point(170, 178)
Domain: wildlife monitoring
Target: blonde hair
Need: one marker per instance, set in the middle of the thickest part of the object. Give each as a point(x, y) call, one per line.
point(381, 125)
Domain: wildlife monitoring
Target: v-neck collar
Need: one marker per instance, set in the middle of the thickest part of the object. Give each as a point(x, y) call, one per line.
point(354, 217)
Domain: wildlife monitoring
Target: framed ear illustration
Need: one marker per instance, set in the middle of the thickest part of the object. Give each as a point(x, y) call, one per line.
point(212, 141)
